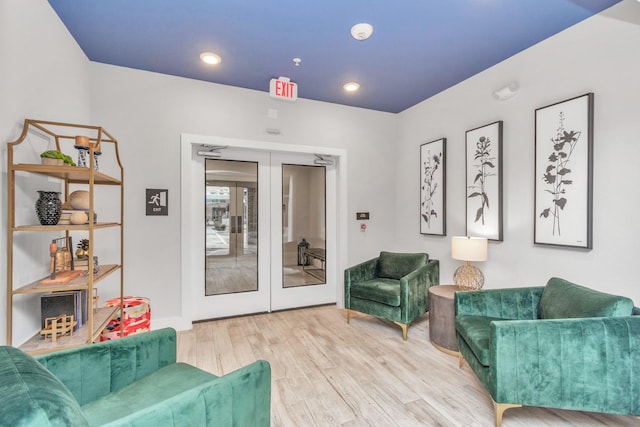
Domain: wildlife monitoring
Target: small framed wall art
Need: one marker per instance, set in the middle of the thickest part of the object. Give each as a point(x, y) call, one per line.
point(564, 173)
point(433, 187)
point(483, 148)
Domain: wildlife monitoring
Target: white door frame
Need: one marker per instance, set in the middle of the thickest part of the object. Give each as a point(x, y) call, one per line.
point(191, 201)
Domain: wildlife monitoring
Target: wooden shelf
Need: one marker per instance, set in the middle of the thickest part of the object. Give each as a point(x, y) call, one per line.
point(78, 283)
point(48, 134)
point(72, 174)
point(65, 227)
point(101, 317)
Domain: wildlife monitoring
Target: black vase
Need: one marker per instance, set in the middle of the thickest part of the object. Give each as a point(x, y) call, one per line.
point(48, 207)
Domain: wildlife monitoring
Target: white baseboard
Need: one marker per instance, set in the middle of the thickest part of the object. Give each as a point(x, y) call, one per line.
point(177, 323)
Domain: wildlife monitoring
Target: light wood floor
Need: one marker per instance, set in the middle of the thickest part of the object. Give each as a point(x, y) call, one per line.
point(326, 372)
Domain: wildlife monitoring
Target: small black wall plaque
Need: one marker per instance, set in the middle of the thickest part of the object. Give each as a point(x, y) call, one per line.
point(362, 215)
point(157, 202)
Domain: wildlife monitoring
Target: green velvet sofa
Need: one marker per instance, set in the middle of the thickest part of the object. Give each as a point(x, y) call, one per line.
point(393, 286)
point(133, 381)
point(558, 346)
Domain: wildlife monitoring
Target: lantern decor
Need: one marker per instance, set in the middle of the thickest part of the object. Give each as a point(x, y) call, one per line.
point(302, 257)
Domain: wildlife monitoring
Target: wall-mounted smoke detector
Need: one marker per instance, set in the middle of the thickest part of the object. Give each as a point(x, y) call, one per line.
point(361, 31)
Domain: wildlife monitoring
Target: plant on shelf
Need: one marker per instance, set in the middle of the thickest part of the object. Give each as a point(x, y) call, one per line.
point(55, 154)
point(83, 249)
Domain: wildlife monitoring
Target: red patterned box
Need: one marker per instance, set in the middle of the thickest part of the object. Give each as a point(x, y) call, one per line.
point(137, 318)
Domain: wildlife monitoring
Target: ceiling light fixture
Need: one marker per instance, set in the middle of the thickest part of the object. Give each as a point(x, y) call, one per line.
point(210, 58)
point(506, 92)
point(361, 31)
point(351, 86)
point(297, 61)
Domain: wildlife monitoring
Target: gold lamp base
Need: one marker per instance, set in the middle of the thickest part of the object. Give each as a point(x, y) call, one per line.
point(468, 277)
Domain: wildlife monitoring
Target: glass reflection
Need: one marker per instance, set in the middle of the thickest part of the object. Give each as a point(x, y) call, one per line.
point(303, 225)
point(231, 226)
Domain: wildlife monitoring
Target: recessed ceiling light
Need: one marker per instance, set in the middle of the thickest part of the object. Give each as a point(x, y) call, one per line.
point(210, 58)
point(362, 31)
point(351, 86)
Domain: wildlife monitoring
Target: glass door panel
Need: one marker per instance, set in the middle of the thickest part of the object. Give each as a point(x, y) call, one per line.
point(231, 227)
point(303, 225)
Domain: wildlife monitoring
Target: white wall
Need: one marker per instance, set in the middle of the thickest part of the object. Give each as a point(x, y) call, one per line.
point(43, 75)
point(147, 112)
point(599, 55)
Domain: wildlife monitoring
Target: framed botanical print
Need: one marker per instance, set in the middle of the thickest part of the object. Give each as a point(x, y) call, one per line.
point(564, 173)
point(433, 187)
point(483, 151)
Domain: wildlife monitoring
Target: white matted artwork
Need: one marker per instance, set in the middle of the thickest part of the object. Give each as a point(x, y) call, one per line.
point(564, 173)
point(433, 187)
point(483, 148)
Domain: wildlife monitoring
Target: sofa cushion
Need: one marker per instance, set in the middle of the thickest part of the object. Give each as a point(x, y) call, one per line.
point(165, 394)
point(562, 300)
point(385, 291)
point(397, 265)
point(476, 331)
point(31, 396)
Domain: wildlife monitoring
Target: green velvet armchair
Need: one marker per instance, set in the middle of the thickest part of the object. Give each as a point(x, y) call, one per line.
point(393, 286)
point(133, 381)
point(558, 346)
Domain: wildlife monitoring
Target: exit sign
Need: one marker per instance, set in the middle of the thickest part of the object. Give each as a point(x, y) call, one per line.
point(283, 88)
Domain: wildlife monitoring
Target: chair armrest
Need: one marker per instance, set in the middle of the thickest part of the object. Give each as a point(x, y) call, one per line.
point(240, 398)
point(587, 364)
point(414, 290)
point(508, 303)
point(93, 371)
point(358, 273)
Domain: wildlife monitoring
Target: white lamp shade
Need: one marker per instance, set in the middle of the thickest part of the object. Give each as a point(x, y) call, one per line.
point(469, 248)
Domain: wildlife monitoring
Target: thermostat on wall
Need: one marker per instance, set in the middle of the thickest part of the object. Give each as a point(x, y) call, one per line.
point(362, 215)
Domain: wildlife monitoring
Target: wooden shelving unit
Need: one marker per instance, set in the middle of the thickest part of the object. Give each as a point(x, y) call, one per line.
point(90, 179)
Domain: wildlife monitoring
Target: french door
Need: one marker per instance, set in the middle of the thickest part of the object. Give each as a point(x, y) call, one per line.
point(267, 232)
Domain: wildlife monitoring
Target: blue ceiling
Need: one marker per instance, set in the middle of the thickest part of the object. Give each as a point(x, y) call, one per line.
point(418, 48)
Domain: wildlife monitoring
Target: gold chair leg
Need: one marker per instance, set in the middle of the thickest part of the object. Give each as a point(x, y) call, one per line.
point(460, 361)
point(404, 327)
point(499, 408)
point(348, 315)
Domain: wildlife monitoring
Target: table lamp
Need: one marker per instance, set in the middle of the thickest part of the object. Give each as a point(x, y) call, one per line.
point(469, 249)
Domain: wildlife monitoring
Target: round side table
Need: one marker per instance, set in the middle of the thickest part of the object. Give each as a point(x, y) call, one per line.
point(442, 318)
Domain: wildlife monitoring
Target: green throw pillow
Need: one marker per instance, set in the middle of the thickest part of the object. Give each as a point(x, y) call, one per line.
point(397, 265)
point(563, 300)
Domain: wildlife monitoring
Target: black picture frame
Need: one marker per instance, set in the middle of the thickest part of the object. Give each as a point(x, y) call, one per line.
point(483, 164)
point(433, 188)
point(564, 173)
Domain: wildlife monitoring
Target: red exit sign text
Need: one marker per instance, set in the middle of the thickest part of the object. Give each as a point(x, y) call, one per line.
point(283, 88)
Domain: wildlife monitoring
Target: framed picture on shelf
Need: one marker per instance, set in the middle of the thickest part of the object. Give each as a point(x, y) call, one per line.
point(564, 173)
point(433, 187)
point(483, 152)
